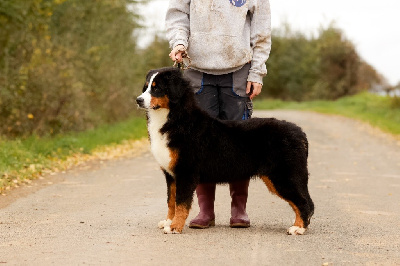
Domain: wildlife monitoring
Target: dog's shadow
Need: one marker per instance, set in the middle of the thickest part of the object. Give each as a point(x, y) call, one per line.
point(252, 230)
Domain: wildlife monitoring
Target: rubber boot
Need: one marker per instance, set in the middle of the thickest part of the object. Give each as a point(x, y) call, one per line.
point(206, 197)
point(239, 192)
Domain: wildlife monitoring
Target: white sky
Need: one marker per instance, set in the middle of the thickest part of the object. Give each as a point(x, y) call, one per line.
point(373, 26)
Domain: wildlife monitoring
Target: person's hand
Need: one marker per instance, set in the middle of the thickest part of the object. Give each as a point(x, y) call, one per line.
point(255, 91)
point(176, 53)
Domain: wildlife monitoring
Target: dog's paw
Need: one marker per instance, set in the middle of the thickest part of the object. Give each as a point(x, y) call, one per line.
point(168, 230)
point(295, 230)
point(164, 223)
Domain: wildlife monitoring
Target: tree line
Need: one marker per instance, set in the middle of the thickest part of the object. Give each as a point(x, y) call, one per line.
point(67, 64)
point(73, 65)
point(326, 66)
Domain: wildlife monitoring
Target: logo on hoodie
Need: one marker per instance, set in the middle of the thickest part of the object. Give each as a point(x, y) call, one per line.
point(238, 3)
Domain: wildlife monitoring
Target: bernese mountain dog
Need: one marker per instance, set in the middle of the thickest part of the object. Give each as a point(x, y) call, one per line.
point(192, 147)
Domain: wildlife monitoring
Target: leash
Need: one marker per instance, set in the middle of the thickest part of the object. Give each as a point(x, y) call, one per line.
point(185, 60)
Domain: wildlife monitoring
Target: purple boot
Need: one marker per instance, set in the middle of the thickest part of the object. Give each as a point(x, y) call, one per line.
point(206, 217)
point(239, 192)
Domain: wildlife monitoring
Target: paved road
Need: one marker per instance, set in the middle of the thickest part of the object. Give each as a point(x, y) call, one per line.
point(107, 214)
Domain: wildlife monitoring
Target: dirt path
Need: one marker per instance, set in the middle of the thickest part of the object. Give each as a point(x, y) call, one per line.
point(107, 214)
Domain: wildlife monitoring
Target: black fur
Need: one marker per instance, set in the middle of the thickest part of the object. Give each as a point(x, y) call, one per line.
point(215, 151)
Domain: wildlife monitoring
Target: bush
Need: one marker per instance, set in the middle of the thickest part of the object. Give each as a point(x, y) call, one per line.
point(326, 67)
point(66, 65)
point(396, 102)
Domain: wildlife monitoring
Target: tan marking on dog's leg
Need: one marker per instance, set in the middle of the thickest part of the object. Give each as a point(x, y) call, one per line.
point(160, 102)
point(270, 186)
point(298, 226)
point(298, 221)
point(173, 154)
point(181, 214)
point(171, 202)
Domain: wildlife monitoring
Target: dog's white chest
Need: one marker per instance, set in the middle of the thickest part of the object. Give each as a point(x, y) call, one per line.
point(159, 142)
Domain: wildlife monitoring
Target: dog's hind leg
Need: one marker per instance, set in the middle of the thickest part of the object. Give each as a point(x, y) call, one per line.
point(171, 192)
point(298, 198)
point(303, 216)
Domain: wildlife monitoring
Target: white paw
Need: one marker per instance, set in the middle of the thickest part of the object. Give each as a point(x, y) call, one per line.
point(295, 230)
point(164, 223)
point(167, 230)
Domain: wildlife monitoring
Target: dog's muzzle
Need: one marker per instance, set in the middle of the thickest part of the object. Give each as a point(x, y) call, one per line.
point(140, 102)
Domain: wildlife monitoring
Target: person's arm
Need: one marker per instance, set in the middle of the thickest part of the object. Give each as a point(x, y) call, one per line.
point(178, 27)
point(260, 41)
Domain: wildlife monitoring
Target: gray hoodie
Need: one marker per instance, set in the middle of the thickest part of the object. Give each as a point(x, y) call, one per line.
point(221, 36)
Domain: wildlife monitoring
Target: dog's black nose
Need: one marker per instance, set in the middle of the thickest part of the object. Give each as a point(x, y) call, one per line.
point(140, 101)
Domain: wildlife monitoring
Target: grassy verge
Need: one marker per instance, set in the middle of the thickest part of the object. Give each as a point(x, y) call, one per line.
point(379, 111)
point(25, 159)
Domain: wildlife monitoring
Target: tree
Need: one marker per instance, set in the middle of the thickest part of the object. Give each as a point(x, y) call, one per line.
point(323, 67)
point(66, 64)
point(338, 66)
point(292, 68)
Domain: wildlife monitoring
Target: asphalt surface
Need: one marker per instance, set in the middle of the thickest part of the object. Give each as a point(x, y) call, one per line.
point(107, 213)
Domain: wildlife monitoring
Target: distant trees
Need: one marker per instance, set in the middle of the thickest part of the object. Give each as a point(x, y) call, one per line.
point(326, 67)
point(66, 64)
point(74, 64)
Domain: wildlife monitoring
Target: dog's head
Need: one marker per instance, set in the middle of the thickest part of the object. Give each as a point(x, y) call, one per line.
point(163, 87)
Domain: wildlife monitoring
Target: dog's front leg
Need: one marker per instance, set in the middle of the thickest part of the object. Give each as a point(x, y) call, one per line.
point(184, 196)
point(171, 185)
point(181, 214)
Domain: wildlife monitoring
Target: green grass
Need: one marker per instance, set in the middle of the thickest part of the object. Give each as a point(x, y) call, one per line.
point(380, 111)
point(24, 159)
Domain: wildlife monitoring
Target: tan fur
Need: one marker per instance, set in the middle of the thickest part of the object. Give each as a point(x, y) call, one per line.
point(298, 221)
point(181, 214)
point(270, 186)
point(162, 102)
point(174, 158)
point(171, 202)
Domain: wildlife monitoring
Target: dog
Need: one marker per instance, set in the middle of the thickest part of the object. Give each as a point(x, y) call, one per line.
point(192, 147)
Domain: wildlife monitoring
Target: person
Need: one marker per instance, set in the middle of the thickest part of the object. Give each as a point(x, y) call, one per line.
point(228, 42)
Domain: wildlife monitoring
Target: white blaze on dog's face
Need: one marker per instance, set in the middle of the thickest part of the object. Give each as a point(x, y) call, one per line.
point(144, 100)
point(153, 97)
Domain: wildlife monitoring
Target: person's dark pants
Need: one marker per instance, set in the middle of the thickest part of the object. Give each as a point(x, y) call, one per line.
point(223, 97)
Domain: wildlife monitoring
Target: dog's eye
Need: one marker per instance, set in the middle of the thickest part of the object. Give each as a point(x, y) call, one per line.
point(156, 88)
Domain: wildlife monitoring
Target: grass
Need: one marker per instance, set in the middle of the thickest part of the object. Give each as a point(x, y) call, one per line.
point(379, 111)
point(25, 159)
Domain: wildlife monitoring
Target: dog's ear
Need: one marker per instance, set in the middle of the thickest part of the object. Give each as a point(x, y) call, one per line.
point(176, 84)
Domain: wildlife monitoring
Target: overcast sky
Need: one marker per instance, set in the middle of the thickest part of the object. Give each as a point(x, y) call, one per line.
point(373, 26)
